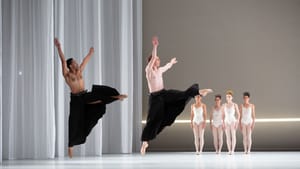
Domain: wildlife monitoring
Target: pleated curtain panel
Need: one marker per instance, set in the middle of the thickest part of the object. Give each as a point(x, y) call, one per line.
point(34, 97)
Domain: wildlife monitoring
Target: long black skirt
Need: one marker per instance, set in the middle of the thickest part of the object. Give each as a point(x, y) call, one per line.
point(164, 107)
point(83, 115)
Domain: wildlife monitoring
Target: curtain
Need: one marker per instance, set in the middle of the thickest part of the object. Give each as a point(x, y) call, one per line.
point(1, 81)
point(36, 98)
point(28, 104)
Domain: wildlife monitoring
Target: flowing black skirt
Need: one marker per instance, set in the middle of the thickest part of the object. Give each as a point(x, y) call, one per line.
point(164, 107)
point(83, 115)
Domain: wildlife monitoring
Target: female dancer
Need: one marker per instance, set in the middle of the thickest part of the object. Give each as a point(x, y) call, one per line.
point(230, 110)
point(217, 124)
point(198, 120)
point(247, 121)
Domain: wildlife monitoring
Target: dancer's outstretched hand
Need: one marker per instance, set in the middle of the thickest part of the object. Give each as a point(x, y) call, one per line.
point(173, 61)
point(56, 42)
point(92, 50)
point(155, 41)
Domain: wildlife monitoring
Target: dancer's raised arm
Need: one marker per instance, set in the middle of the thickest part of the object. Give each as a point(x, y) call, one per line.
point(168, 65)
point(154, 52)
point(65, 69)
point(87, 58)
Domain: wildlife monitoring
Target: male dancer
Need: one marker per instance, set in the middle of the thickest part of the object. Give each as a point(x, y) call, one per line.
point(86, 108)
point(164, 105)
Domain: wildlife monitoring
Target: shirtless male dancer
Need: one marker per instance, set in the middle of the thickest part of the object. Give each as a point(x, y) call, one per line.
point(86, 108)
point(164, 105)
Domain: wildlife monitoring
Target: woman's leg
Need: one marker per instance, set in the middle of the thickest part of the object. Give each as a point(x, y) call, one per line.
point(215, 137)
point(220, 138)
point(228, 138)
point(196, 136)
point(201, 136)
point(249, 137)
point(233, 137)
point(244, 131)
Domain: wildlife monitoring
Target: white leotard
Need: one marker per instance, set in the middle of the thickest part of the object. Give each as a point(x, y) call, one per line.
point(217, 118)
point(246, 115)
point(198, 115)
point(229, 114)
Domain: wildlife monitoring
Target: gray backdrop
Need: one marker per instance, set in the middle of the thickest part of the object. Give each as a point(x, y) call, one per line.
point(250, 45)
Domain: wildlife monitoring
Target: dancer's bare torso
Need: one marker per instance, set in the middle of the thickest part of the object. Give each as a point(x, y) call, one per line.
point(75, 81)
point(154, 79)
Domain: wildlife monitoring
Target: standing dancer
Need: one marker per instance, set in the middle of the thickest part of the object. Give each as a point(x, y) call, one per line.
point(217, 124)
point(86, 108)
point(230, 110)
point(198, 123)
point(164, 105)
point(247, 121)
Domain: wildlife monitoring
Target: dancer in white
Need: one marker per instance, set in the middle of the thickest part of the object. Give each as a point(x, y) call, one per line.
point(198, 120)
point(217, 124)
point(247, 121)
point(230, 110)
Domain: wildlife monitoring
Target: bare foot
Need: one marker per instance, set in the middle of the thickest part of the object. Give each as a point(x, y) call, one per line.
point(204, 92)
point(144, 147)
point(70, 152)
point(122, 97)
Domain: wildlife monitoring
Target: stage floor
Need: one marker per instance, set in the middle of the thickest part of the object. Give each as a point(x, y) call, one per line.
point(172, 160)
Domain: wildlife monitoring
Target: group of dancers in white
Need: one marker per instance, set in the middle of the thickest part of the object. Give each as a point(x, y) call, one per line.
point(228, 117)
point(87, 107)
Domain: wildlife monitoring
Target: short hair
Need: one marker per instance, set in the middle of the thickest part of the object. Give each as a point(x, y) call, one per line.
point(218, 96)
point(149, 58)
point(229, 92)
point(246, 94)
point(69, 62)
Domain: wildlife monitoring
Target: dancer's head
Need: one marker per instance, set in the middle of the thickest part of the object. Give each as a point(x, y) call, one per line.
point(229, 95)
point(198, 98)
point(156, 62)
point(246, 97)
point(218, 99)
point(72, 64)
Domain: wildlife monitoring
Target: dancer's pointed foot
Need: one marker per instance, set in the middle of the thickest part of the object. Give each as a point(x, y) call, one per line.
point(120, 97)
point(70, 152)
point(144, 147)
point(204, 92)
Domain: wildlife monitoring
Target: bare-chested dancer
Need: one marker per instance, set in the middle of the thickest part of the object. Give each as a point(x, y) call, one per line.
point(86, 108)
point(164, 105)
